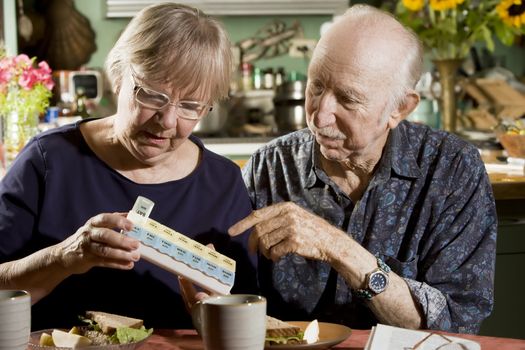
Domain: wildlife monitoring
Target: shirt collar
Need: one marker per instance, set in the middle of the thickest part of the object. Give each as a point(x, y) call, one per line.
point(397, 157)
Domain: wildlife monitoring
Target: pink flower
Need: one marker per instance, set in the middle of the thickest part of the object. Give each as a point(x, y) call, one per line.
point(20, 71)
point(24, 85)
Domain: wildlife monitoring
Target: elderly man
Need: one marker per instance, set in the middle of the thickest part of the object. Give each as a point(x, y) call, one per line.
point(365, 217)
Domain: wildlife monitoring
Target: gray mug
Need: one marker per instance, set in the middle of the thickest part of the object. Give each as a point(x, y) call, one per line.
point(15, 319)
point(231, 322)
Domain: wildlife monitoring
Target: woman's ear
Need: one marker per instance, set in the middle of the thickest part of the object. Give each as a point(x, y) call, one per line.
point(407, 106)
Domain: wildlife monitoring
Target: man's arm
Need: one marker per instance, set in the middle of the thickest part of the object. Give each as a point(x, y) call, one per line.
point(286, 228)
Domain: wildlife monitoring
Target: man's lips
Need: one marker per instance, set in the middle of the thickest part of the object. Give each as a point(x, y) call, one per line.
point(327, 141)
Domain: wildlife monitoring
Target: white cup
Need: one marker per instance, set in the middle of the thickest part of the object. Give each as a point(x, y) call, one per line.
point(15, 319)
point(231, 322)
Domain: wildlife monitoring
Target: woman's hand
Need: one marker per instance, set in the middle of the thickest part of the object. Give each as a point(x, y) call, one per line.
point(98, 243)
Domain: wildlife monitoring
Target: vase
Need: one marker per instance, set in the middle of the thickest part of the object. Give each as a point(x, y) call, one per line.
point(17, 129)
point(447, 69)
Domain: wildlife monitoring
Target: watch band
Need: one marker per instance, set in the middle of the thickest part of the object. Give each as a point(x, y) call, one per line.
point(367, 293)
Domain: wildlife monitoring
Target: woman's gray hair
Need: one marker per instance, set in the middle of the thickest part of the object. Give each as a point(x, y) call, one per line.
point(177, 45)
point(411, 63)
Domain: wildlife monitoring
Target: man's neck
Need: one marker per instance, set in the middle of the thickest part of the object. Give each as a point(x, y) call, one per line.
point(354, 173)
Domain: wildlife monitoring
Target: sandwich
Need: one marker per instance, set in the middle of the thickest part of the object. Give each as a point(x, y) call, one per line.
point(279, 332)
point(105, 328)
point(102, 329)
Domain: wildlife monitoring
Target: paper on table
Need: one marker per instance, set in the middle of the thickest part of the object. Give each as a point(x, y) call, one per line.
point(394, 338)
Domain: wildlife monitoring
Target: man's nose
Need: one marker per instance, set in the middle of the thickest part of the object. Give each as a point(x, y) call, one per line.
point(326, 109)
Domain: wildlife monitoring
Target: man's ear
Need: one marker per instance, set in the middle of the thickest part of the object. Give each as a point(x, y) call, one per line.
point(407, 106)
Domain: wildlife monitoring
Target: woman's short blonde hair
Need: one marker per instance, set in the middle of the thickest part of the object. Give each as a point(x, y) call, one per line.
point(177, 45)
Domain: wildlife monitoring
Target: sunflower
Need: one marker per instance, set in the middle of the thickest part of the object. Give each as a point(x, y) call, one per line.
point(442, 5)
point(512, 12)
point(414, 5)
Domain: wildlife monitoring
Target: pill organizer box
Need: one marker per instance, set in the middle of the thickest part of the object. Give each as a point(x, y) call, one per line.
point(178, 253)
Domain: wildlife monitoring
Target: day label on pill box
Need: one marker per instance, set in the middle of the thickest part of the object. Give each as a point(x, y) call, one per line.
point(187, 257)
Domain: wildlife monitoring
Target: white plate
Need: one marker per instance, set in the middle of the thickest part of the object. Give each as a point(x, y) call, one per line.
point(35, 339)
point(330, 334)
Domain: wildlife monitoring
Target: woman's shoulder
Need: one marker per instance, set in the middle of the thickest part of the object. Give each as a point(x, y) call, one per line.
point(61, 135)
point(214, 160)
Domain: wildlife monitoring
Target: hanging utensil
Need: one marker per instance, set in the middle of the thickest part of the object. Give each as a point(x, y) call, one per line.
point(25, 26)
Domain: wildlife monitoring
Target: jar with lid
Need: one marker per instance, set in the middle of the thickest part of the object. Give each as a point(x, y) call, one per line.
point(257, 78)
point(246, 76)
point(279, 77)
point(268, 78)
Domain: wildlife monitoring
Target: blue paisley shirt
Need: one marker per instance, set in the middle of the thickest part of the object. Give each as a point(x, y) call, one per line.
point(428, 212)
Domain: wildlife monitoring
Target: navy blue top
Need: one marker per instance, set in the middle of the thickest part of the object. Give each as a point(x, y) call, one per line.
point(57, 183)
point(428, 212)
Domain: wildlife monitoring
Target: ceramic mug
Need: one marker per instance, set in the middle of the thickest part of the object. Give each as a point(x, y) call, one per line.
point(231, 322)
point(15, 319)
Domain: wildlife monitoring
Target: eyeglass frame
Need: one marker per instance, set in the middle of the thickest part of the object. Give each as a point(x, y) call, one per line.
point(206, 108)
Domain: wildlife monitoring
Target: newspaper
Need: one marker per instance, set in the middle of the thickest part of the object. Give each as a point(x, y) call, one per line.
point(394, 338)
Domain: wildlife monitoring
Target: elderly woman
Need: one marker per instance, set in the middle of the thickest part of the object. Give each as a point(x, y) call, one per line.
point(64, 199)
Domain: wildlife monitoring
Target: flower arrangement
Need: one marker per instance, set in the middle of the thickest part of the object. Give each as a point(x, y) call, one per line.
point(24, 87)
point(450, 28)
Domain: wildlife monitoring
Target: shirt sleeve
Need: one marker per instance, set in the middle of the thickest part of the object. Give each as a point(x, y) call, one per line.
point(455, 283)
point(20, 191)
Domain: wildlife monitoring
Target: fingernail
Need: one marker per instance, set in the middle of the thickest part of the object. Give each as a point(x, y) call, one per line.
point(135, 256)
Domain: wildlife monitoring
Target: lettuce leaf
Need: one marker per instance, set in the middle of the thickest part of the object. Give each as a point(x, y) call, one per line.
point(125, 335)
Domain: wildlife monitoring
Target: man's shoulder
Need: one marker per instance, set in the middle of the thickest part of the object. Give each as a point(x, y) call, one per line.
point(435, 142)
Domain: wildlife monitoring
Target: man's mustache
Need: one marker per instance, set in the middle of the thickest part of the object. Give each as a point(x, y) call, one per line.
point(328, 131)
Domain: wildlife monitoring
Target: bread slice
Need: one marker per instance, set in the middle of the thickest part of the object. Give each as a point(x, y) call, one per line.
point(110, 322)
point(276, 328)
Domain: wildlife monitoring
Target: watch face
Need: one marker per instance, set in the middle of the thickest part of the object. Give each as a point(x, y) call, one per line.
point(378, 282)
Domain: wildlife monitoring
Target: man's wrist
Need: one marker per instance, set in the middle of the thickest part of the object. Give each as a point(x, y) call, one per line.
point(376, 281)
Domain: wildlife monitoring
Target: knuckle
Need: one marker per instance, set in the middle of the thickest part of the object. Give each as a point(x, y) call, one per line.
point(103, 250)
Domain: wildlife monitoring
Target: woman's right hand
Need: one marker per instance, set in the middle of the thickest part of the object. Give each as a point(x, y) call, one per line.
point(98, 243)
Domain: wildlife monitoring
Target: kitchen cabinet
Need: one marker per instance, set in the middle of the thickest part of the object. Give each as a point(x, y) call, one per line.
point(128, 8)
point(506, 319)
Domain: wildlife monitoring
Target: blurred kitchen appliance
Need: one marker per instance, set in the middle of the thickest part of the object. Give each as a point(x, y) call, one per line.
point(69, 82)
point(290, 114)
point(215, 123)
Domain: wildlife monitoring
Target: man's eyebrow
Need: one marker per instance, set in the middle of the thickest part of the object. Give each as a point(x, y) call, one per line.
point(350, 93)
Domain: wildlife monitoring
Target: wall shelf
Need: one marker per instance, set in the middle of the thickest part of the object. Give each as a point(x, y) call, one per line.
point(128, 8)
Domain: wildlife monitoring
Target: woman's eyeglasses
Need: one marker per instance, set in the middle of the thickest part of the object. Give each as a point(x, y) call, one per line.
point(191, 110)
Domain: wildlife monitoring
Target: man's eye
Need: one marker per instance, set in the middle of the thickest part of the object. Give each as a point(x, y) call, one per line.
point(316, 88)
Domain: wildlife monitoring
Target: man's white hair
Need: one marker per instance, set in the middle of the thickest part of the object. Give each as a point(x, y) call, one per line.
point(411, 66)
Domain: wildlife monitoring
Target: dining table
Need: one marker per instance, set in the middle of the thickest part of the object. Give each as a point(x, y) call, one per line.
point(169, 339)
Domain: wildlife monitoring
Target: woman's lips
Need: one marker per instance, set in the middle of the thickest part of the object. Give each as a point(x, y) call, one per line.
point(152, 138)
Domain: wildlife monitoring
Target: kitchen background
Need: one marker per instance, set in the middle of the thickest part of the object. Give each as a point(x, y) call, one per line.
point(248, 111)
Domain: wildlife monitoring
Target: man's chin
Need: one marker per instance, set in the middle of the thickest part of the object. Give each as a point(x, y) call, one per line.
point(333, 154)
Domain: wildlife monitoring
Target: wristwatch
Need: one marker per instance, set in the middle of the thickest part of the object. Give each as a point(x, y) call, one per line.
point(376, 281)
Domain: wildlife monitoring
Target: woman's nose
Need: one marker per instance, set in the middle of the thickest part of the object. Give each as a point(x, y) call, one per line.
point(168, 117)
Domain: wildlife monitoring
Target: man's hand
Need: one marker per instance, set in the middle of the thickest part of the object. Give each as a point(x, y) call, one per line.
point(189, 293)
point(286, 228)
